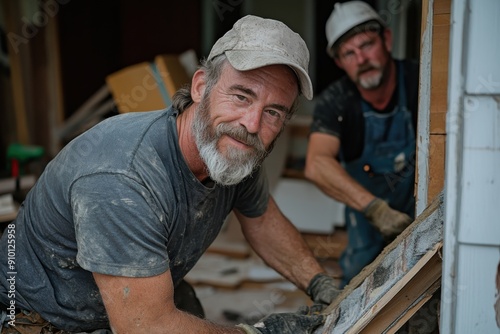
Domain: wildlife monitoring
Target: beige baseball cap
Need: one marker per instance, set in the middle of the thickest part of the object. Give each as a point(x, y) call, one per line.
point(255, 42)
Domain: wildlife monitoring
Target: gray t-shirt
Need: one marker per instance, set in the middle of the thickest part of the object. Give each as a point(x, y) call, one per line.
point(118, 200)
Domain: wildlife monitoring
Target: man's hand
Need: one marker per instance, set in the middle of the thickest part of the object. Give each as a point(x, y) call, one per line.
point(302, 322)
point(322, 289)
point(388, 221)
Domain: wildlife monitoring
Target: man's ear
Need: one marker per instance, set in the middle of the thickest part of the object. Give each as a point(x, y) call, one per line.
point(388, 39)
point(338, 62)
point(198, 86)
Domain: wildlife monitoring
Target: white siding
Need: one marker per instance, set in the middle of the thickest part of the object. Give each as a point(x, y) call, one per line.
point(472, 185)
point(483, 48)
point(475, 290)
point(481, 172)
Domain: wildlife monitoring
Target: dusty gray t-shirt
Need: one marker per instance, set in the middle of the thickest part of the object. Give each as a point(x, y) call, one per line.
point(118, 200)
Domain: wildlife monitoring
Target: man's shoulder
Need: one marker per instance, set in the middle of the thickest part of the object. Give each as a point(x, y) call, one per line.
point(134, 119)
point(339, 93)
point(343, 84)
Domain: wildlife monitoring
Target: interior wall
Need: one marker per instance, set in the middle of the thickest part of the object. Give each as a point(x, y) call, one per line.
point(404, 19)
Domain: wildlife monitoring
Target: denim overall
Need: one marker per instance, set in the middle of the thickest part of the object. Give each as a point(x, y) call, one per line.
point(386, 168)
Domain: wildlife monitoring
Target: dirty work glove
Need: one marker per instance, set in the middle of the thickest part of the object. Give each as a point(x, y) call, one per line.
point(311, 310)
point(388, 221)
point(285, 323)
point(322, 289)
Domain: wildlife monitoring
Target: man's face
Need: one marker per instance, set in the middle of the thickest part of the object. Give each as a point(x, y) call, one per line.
point(364, 57)
point(238, 121)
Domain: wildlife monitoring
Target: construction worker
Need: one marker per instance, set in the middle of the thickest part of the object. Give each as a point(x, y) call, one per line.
point(362, 143)
point(125, 210)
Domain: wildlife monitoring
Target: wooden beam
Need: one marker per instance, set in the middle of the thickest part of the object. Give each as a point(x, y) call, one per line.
point(55, 89)
point(95, 103)
point(398, 280)
point(415, 288)
point(18, 67)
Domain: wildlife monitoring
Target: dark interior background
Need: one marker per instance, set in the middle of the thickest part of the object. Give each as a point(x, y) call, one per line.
point(97, 38)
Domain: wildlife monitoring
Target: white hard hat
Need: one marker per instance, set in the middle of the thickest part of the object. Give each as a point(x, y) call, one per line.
point(346, 16)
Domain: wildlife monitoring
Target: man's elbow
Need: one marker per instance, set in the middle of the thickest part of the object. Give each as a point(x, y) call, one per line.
point(310, 170)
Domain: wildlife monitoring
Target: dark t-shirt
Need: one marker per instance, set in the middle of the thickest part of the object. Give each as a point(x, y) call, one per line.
point(338, 110)
point(118, 200)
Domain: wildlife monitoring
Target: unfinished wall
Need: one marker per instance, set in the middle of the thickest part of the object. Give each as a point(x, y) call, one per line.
point(439, 89)
point(433, 101)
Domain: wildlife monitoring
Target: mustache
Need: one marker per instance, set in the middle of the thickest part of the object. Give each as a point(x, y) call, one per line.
point(367, 67)
point(240, 134)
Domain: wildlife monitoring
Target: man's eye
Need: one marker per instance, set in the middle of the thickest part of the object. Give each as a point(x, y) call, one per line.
point(274, 113)
point(366, 45)
point(241, 97)
point(348, 54)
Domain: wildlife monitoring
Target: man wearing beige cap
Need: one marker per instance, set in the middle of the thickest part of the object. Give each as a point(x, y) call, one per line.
point(125, 210)
point(361, 148)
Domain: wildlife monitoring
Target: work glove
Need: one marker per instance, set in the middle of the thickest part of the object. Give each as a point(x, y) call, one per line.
point(305, 321)
point(322, 289)
point(388, 221)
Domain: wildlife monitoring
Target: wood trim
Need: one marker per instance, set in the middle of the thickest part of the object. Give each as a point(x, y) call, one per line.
point(406, 296)
point(397, 283)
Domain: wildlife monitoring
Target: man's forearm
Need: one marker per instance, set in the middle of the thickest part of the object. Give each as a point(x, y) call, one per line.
point(282, 247)
point(187, 323)
point(146, 305)
point(179, 322)
point(329, 175)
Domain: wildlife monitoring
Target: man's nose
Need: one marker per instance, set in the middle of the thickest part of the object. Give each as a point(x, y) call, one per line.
point(360, 56)
point(251, 119)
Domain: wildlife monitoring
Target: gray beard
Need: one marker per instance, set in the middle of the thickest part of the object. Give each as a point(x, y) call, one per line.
point(371, 82)
point(234, 166)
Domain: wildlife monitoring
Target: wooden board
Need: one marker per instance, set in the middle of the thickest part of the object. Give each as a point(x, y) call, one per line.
point(135, 88)
point(417, 286)
point(226, 272)
point(172, 72)
point(396, 283)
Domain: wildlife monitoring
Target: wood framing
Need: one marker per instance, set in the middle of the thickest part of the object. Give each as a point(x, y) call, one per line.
point(433, 100)
point(396, 284)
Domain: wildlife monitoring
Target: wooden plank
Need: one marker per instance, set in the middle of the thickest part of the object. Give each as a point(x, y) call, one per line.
point(442, 6)
point(226, 272)
point(440, 55)
point(231, 241)
point(390, 267)
point(327, 246)
point(409, 290)
point(135, 88)
point(82, 114)
point(423, 23)
point(424, 101)
point(54, 80)
point(439, 97)
point(8, 185)
point(18, 67)
point(437, 154)
point(414, 308)
point(172, 72)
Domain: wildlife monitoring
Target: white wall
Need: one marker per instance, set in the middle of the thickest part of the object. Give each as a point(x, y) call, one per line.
point(472, 184)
